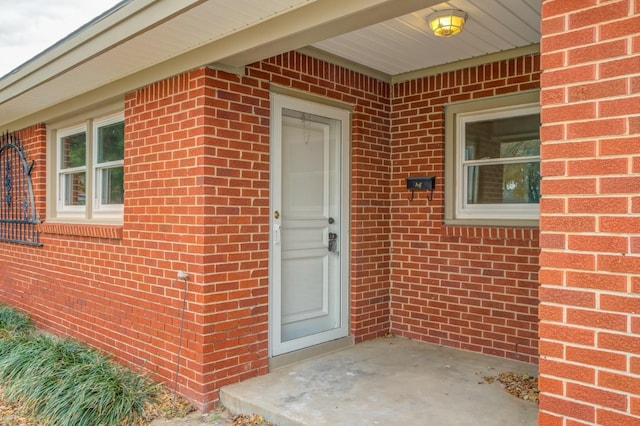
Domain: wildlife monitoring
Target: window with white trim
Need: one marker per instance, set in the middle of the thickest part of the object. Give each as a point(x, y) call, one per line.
point(89, 159)
point(109, 164)
point(493, 161)
point(72, 170)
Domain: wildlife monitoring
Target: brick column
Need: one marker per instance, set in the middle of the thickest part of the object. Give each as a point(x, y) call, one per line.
point(590, 226)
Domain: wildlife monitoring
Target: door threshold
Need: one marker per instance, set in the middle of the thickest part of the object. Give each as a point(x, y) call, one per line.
point(310, 352)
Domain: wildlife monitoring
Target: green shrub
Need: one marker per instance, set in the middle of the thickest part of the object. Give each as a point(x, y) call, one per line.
point(13, 322)
point(65, 383)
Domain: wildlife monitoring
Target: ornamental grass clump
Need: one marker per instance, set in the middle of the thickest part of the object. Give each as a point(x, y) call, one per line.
point(62, 382)
point(13, 322)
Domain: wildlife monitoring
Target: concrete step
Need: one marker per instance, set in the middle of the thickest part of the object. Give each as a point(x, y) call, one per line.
point(387, 382)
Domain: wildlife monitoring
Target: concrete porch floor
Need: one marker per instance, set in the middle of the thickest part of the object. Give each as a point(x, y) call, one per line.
point(386, 382)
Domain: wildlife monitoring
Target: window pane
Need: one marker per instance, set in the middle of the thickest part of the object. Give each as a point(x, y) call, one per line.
point(74, 189)
point(112, 185)
point(111, 142)
point(74, 149)
point(504, 183)
point(503, 138)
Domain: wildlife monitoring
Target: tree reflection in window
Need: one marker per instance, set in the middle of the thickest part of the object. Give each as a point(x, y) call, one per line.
point(502, 160)
point(110, 152)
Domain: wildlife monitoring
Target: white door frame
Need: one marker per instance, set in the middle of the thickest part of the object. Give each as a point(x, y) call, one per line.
point(278, 102)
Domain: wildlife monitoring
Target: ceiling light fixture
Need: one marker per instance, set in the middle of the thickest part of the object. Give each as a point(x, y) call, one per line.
point(447, 23)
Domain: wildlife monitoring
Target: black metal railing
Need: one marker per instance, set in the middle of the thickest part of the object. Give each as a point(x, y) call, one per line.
point(18, 218)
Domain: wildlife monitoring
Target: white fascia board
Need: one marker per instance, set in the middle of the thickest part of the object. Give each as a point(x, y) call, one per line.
point(297, 27)
point(119, 24)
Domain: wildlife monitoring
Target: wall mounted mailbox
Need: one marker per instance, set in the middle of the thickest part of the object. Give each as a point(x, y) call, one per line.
point(421, 183)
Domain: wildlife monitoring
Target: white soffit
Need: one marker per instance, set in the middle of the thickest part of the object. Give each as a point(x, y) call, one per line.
point(141, 41)
point(407, 44)
point(139, 35)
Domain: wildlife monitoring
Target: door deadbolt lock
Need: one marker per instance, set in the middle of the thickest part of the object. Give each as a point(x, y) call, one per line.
point(276, 214)
point(333, 242)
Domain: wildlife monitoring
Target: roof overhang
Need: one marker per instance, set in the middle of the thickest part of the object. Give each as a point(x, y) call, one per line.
point(142, 41)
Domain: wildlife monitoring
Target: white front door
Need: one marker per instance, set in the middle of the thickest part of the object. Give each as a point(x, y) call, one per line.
point(309, 224)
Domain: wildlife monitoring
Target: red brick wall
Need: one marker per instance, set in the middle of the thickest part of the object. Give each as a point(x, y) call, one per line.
point(114, 286)
point(370, 172)
point(12, 283)
point(197, 200)
point(34, 141)
point(590, 225)
point(473, 288)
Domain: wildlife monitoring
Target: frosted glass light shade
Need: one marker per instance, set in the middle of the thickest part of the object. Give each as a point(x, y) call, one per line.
point(447, 23)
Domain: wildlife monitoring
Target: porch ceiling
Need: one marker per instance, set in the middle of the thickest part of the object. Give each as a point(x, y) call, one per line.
point(407, 44)
point(141, 41)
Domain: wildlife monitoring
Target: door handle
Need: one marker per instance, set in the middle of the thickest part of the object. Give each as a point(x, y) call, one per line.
point(276, 233)
point(333, 242)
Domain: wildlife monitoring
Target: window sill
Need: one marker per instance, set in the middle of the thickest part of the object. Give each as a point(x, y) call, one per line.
point(109, 232)
point(494, 223)
point(491, 232)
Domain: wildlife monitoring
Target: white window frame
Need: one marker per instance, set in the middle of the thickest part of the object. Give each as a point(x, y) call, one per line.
point(457, 209)
point(106, 210)
point(92, 212)
point(73, 211)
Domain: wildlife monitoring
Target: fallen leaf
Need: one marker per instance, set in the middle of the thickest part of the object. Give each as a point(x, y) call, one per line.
point(521, 386)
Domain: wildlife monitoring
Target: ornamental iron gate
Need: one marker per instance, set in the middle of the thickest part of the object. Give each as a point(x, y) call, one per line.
point(18, 218)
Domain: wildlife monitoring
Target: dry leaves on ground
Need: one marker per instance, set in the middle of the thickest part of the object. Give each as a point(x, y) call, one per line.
point(170, 407)
point(11, 415)
point(252, 420)
point(519, 385)
point(166, 405)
